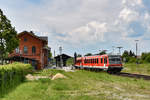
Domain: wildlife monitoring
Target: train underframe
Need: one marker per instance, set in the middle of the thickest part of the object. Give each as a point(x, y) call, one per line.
point(113, 69)
point(110, 70)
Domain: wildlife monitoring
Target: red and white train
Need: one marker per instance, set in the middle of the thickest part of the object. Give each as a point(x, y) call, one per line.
point(110, 63)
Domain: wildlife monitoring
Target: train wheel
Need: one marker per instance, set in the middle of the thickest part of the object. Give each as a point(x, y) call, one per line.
point(109, 71)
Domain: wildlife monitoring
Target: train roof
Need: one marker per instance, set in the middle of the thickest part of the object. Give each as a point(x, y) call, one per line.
point(97, 56)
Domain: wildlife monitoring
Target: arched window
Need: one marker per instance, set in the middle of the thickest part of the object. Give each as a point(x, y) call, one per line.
point(25, 49)
point(33, 49)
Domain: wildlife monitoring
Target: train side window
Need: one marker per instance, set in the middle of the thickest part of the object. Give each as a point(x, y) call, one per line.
point(101, 60)
point(97, 60)
point(105, 60)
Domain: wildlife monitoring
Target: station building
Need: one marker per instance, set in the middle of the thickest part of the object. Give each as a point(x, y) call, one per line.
point(32, 49)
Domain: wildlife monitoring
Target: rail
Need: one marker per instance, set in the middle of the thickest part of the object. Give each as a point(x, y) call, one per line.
point(138, 76)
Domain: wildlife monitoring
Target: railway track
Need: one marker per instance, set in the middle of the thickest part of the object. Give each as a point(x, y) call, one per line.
point(131, 75)
point(138, 76)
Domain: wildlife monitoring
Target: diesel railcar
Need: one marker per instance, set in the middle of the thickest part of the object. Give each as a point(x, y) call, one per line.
point(110, 63)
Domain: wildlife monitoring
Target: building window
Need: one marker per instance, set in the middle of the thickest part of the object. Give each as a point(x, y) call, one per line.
point(33, 49)
point(25, 49)
point(25, 39)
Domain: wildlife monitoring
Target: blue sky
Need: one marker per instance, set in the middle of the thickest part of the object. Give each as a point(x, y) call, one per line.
point(84, 26)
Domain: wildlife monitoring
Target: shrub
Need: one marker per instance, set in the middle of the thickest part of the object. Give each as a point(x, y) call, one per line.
point(148, 59)
point(11, 75)
point(132, 60)
point(70, 61)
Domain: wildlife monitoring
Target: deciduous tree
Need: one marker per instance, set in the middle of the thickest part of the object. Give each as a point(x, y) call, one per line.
point(8, 36)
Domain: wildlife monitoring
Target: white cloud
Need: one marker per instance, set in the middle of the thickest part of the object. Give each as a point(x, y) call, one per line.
point(128, 15)
point(80, 23)
point(146, 16)
point(85, 35)
point(132, 3)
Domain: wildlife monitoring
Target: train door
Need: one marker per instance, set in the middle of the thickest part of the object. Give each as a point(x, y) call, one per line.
point(82, 60)
point(105, 61)
point(102, 62)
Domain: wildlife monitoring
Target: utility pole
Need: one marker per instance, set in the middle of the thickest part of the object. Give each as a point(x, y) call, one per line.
point(119, 49)
point(54, 53)
point(113, 47)
point(54, 60)
point(60, 50)
point(136, 47)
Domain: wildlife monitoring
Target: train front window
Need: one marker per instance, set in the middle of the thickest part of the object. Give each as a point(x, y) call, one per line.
point(114, 60)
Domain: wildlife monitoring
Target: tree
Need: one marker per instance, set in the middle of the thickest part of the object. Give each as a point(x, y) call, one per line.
point(131, 54)
point(147, 59)
point(70, 62)
point(75, 57)
point(50, 55)
point(79, 55)
point(125, 56)
point(88, 54)
point(8, 36)
point(102, 52)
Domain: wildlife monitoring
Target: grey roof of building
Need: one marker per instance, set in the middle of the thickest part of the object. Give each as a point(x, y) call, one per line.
point(43, 38)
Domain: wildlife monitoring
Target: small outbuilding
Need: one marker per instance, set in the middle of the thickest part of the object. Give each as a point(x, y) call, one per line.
point(61, 60)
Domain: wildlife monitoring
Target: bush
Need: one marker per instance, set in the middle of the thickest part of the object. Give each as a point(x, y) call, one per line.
point(11, 75)
point(132, 60)
point(70, 61)
point(148, 59)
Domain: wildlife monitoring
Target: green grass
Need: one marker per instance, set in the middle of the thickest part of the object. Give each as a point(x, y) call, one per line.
point(81, 85)
point(137, 68)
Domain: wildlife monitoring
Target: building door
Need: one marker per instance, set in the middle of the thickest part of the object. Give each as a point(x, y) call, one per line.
point(34, 64)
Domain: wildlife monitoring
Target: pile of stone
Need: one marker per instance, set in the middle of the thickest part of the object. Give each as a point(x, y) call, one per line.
point(57, 76)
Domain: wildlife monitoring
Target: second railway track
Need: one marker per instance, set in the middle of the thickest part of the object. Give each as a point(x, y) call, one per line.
point(137, 76)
